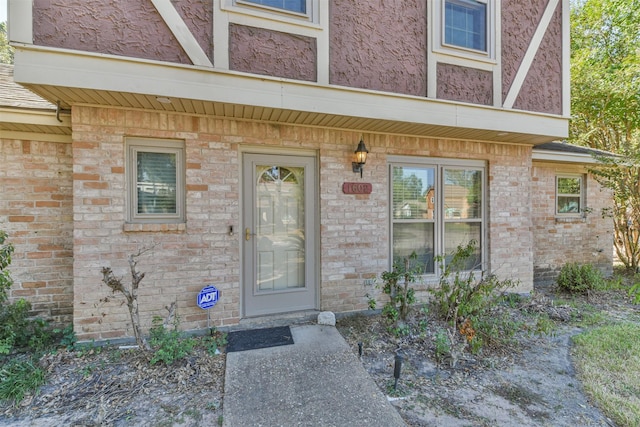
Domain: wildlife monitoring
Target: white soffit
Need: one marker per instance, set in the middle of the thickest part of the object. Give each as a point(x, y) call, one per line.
point(65, 68)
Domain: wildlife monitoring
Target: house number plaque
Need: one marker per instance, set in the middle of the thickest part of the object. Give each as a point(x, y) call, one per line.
point(357, 188)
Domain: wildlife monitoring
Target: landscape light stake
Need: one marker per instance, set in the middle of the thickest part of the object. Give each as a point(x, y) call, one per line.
point(396, 370)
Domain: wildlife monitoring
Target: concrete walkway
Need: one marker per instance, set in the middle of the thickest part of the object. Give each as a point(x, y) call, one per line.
point(318, 381)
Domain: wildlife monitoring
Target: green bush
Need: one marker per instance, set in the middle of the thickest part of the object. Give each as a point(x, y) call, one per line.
point(215, 341)
point(577, 278)
point(166, 343)
point(443, 346)
point(396, 284)
point(66, 337)
point(6, 249)
point(470, 304)
point(17, 330)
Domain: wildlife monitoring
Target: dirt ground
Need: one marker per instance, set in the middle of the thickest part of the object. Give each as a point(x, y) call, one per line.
point(532, 383)
point(114, 387)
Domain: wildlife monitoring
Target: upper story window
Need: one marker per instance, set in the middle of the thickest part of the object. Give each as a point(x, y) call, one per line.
point(295, 10)
point(297, 6)
point(155, 181)
point(465, 28)
point(465, 24)
point(569, 195)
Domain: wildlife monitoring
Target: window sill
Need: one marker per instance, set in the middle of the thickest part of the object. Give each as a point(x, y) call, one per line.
point(571, 219)
point(165, 228)
point(466, 58)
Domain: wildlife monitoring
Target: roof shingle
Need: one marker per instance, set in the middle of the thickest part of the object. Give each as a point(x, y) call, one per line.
point(15, 96)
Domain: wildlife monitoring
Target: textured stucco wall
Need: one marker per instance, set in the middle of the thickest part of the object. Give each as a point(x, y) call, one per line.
point(379, 45)
point(127, 28)
point(198, 15)
point(272, 53)
point(542, 89)
point(373, 45)
point(465, 84)
point(558, 241)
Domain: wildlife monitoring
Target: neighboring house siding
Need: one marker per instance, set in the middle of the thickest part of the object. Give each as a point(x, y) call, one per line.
point(272, 53)
point(558, 241)
point(36, 211)
point(542, 89)
point(354, 229)
point(379, 46)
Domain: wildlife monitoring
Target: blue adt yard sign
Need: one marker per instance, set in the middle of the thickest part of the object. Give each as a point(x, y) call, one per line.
point(208, 297)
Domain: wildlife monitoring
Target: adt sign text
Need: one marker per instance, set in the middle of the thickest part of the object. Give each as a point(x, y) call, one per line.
point(208, 297)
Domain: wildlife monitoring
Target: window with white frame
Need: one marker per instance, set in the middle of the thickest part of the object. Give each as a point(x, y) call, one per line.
point(155, 181)
point(569, 195)
point(465, 24)
point(466, 27)
point(305, 10)
point(296, 6)
point(436, 207)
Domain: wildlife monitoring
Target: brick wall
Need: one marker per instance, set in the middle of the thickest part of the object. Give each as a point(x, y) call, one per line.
point(562, 240)
point(36, 212)
point(354, 242)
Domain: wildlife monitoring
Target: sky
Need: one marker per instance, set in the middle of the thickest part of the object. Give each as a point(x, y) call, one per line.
point(3, 10)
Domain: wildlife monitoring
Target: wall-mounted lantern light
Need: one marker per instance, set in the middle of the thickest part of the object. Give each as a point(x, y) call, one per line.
point(361, 157)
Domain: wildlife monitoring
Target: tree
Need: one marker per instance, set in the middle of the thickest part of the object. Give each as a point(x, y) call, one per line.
point(605, 86)
point(6, 51)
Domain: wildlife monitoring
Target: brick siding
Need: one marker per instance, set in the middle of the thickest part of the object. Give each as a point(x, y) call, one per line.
point(558, 241)
point(354, 240)
point(36, 212)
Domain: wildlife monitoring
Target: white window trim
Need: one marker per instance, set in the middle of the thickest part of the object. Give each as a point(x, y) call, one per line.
point(311, 18)
point(135, 145)
point(228, 12)
point(472, 55)
point(458, 57)
point(440, 164)
point(581, 211)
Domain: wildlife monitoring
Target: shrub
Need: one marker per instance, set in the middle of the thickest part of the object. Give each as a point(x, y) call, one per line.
point(17, 330)
point(575, 278)
point(6, 249)
point(442, 345)
point(396, 284)
point(469, 304)
point(213, 342)
point(166, 343)
point(67, 337)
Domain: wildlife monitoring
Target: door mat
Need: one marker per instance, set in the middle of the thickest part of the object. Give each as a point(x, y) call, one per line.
point(258, 338)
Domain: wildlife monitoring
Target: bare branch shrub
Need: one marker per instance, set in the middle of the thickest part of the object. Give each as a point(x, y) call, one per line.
point(130, 293)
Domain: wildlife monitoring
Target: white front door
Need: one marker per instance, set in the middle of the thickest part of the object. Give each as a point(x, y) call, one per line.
point(278, 234)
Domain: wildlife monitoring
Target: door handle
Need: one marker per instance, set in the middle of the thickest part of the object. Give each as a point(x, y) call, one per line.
point(247, 234)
